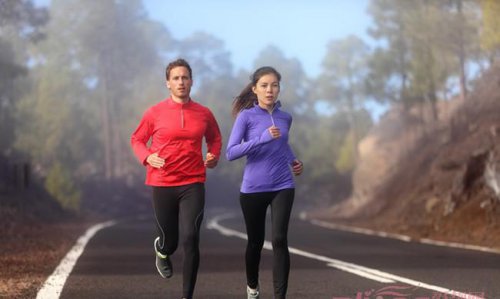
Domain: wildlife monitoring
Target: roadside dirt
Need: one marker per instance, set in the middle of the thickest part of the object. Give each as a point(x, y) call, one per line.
point(33, 240)
point(31, 251)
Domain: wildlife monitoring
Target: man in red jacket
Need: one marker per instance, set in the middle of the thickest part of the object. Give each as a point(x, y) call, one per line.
point(175, 169)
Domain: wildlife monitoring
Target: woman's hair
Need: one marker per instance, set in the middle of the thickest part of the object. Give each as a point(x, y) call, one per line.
point(247, 98)
point(177, 63)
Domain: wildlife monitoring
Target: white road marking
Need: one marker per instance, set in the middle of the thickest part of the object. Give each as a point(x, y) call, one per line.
point(359, 230)
point(362, 271)
point(401, 237)
point(53, 286)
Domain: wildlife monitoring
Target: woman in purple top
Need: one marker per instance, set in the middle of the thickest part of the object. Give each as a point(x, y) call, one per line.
point(260, 133)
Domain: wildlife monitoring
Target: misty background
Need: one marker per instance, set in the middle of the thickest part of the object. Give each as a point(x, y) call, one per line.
point(76, 76)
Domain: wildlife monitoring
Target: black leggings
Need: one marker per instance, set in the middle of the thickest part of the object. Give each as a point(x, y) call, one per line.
point(254, 207)
point(181, 205)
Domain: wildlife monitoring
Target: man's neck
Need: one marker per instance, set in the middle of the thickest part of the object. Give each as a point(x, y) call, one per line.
point(180, 100)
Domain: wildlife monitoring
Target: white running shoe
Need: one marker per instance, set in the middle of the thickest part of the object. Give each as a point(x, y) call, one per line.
point(252, 293)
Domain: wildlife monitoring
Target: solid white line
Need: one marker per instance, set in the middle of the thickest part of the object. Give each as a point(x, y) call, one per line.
point(459, 245)
point(362, 271)
point(53, 286)
point(403, 238)
point(359, 230)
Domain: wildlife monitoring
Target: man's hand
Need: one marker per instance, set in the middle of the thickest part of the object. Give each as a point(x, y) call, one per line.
point(155, 161)
point(210, 161)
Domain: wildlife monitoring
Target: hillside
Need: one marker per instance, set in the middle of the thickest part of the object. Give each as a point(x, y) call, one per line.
point(432, 178)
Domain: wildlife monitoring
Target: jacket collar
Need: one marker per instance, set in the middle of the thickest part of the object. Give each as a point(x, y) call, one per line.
point(277, 105)
point(173, 104)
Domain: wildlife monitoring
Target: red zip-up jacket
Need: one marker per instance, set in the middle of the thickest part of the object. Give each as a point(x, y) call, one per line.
point(176, 132)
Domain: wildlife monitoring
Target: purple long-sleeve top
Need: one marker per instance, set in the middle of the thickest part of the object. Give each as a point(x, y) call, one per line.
point(268, 166)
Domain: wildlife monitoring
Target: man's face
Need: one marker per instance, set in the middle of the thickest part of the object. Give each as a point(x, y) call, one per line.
point(180, 82)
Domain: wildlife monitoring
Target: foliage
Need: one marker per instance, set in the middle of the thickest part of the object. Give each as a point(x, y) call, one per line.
point(294, 81)
point(425, 44)
point(346, 158)
point(490, 35)
point(62, 187)
point(73, 87)
point(342, 83)
point(20, 25)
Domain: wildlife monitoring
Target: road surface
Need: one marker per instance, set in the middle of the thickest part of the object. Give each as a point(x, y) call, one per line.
point(118, 262)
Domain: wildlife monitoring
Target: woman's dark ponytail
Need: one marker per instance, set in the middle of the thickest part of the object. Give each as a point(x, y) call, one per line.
point(244, 100)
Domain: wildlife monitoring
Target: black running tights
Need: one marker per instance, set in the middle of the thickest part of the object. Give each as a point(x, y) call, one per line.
point(254, 207)
point(181, 206)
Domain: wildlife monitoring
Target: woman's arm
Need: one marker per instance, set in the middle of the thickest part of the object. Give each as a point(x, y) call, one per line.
point(236, 146)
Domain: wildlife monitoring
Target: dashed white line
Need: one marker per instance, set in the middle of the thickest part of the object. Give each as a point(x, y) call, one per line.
point(362, 271)
point(53, 286)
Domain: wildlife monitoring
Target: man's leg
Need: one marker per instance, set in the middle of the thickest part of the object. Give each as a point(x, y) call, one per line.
point(192, 202)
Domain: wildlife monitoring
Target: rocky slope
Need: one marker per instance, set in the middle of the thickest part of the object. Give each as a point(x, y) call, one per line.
point(432, 178)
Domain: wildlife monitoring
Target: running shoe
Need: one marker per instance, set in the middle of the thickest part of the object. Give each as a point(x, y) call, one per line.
point(252, 293)
point(163, 263)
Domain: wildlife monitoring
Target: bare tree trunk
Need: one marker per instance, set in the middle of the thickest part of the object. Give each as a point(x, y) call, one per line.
point(117, 148)
point(354, 127)
point(461, 54)
point(434, 109)
point(463, 78)
point(106, 125)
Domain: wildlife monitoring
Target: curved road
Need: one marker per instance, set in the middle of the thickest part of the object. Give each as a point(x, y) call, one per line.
point(118, 262)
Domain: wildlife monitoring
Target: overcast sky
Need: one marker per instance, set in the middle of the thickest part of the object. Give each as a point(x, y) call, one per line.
point(300, 28)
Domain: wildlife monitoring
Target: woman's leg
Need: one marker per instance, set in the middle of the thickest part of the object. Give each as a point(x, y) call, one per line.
point(254, 206)
point(192, 202)
point(281, 208)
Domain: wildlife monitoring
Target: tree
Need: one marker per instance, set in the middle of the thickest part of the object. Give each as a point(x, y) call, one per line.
point(21, 24)
point(22, 19)
point(490, 35)
point(206, 54)
point(9, 73)
point(91, 79)
point(342, 81)
point(62, 188)
point(112, 61)
point(294, 83)
point(463, 40)
point(432, 42)
point(114, 48)
point(390, 62)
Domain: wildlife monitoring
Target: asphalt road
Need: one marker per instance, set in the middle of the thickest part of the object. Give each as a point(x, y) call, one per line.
point(118, 262)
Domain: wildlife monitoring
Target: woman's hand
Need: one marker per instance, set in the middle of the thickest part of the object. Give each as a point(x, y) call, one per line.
point(297, 167)
point(275, 132)
point(210, 161)
point(155, 161)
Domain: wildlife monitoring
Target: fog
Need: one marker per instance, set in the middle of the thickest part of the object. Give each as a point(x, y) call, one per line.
point(77, 76)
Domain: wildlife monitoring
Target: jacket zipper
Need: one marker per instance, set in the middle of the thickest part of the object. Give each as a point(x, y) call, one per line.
point(271, 114)
point(182, 117)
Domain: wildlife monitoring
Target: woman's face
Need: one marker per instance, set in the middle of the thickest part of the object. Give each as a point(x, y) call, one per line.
point(267, 90)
